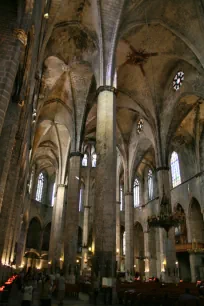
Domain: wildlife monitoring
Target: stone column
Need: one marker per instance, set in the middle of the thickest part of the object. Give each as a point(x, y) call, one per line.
point(168, 259)
point(104, 259)
point(7, 141)
point(129, 224)
point(9, 206)
point(118, 249)
point(55, 247)
point(86, 218)
point(147, 254)
point(195, 263)
point(72, 212)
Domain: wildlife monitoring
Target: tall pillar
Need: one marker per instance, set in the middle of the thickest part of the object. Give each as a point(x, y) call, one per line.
point(147, 254)
point(7, 141)
point(55, 247)
point(86, 218)
point(9, 205)
point(195, 263)
point(105, 193)
point(167, 245)
point(118, 248)
point(129, 224)
point(72, 212)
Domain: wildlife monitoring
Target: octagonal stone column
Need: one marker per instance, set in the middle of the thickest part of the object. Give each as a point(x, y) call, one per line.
point(104, 259)
point(72, 213)
point(86, 218)
point(56, 229)
point(129, 224)
point(118, 249)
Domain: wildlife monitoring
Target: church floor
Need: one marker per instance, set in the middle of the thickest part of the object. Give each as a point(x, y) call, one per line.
point(15, 299)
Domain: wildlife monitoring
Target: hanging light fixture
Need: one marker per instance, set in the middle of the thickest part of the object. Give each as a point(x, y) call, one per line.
point(166, 219)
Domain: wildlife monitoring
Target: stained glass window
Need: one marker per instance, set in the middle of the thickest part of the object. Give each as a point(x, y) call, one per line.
point(124, 243)
point(136, 193)
point(150, 184)
point(177, 81)
point(121, 198)
point(85, 160)
point(94, 157)
point(39, 191)
point(175, 170)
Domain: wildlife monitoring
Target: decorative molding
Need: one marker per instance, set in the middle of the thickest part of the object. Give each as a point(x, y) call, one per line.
point(128, 193)
point(87, 206)
point(162, 168)
point(72, 154)
point(106, 88)
point(61, 185)
point(21, 35)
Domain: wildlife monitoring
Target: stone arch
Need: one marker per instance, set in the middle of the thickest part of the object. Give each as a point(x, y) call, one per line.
point(139, 252)
point(196, 225)
point(46, 237)
point(34, 233)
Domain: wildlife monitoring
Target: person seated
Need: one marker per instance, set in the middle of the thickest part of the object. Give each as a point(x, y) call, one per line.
point(187, 296)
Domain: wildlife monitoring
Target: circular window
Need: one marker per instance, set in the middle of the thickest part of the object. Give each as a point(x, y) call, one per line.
point(178, 79)
point(140, 126)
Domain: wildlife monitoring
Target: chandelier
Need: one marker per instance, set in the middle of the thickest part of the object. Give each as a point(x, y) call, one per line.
point(166, 219)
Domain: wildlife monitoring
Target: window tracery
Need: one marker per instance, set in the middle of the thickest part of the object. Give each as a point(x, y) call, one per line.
point(150, 184)
point(94, 158)
point(175, 170)
point(40, 185)
point(85, 160)
point(124, 243)
point(136, 193)
point(140, 126)
point(178, 79)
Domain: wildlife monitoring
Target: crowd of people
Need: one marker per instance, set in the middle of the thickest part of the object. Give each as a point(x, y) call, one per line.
point(45, 286)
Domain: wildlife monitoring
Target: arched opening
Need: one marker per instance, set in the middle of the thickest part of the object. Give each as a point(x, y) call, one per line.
point(196, 222)
point(182, 256)
point(196, 228)
point(34, 234)
point(139, 258)
point(46, 237)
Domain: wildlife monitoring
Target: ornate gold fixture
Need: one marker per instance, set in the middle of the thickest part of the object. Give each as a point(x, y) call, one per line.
point(21, 36)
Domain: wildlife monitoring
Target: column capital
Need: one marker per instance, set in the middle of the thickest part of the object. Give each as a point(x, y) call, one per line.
point(162, 168)
point(77, 153)
point(128, 193)
point(106, 88)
